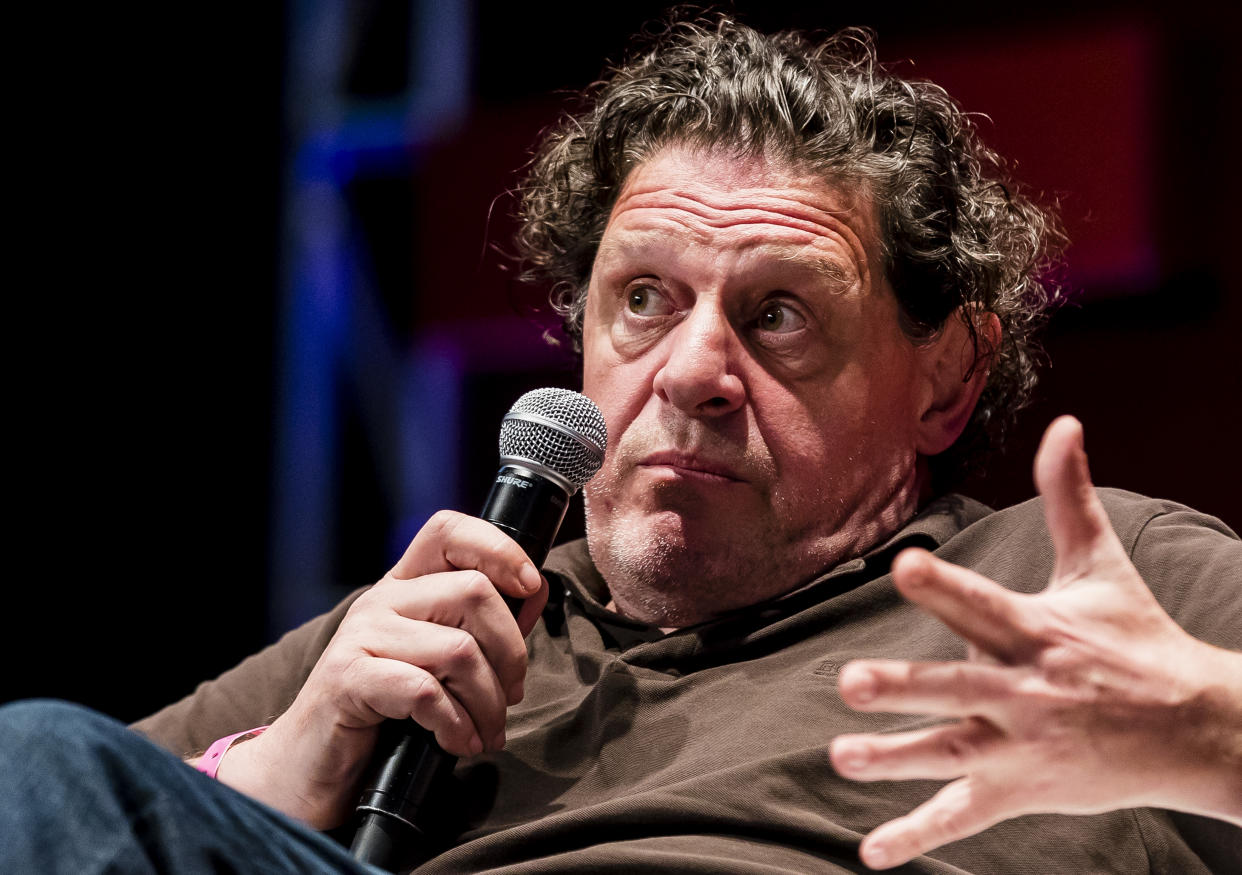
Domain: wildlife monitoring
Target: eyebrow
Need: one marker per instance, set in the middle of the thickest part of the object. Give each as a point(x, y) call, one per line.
point(825, 267)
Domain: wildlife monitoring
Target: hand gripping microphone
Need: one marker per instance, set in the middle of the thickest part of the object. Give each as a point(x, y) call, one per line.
point(552, 442)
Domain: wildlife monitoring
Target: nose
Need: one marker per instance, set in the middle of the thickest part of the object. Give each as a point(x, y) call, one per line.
point(699, 376)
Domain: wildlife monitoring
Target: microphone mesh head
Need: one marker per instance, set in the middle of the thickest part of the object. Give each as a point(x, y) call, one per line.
point(556, 429)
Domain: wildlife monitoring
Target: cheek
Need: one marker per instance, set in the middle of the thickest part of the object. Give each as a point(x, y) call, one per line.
point(886, 382)
point(597, 357)
point(600, 384)
point(620, 387)
point(859, 420)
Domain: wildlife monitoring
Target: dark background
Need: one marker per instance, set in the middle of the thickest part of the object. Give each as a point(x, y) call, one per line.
point(156, 187)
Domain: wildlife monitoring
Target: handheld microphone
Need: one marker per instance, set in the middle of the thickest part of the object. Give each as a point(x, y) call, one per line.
point(552, 442)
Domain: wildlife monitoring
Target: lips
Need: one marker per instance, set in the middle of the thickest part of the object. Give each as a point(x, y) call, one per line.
point(690, 465)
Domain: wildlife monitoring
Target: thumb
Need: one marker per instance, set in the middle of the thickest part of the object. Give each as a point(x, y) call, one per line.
point(1081, 533)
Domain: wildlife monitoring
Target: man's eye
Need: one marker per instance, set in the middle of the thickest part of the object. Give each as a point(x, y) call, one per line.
point(646, 301)
point(780, 319)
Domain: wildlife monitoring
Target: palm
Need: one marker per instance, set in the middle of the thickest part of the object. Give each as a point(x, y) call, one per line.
point(1073, 700)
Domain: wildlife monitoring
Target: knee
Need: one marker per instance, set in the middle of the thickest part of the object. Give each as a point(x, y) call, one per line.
point(47, 734)
point(37, 721)
point(74, 786)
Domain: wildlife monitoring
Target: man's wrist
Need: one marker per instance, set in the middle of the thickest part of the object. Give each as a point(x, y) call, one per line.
point(288, 783)
point(1223, 734)
point(209, 762)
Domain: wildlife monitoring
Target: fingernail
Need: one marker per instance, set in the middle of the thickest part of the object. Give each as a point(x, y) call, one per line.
point(878, 856)
point(530, 579)
point(917, 568)
point(854, 755)
point(498, 742)
point(476, 744)
point(863, 686)
point(517, 692)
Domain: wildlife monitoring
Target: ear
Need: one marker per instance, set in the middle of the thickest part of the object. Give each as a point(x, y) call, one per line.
point(955, 373)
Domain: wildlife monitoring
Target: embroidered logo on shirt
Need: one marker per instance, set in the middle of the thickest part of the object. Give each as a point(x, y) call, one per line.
point(827, 669)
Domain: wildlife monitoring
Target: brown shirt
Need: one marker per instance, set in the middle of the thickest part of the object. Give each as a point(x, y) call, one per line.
point(706, 749)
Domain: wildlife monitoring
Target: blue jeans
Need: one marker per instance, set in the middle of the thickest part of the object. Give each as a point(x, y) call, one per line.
point(81, 793)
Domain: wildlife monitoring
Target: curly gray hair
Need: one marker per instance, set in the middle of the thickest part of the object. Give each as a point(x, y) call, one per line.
point(958, 238)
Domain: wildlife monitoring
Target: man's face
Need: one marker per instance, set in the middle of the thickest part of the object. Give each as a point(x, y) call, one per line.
point(760, 396)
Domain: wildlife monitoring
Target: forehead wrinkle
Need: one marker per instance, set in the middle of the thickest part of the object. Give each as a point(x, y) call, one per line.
point(638, 240)
point(760, 209)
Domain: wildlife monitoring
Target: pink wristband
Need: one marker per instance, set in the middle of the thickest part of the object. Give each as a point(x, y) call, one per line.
point(209, 763)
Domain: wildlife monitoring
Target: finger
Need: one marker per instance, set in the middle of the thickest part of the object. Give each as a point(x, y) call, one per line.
point(1081, 533)
point(454, 541)
point(938, 752)
point(981, 611)
point(949, 689)
point(396, 690)
point(958, 810)
point(467, 601)
point(532, 608)
point(453, 657)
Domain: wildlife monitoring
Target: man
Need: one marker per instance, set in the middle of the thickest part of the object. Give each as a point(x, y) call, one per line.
point(804, 296)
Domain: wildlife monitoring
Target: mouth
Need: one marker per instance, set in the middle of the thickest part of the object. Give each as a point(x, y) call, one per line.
point(689, 466)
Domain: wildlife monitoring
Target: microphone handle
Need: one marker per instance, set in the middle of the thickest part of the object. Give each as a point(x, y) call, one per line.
point(408, 763)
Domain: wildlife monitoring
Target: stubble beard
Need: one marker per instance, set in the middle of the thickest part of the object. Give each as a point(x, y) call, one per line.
point(668, 557)
point(672, 569)
point(678, 567)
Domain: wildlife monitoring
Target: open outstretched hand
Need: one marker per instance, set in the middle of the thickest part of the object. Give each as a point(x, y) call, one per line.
point(1083, 698)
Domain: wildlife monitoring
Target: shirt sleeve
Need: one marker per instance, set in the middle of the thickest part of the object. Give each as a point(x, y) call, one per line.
point(253, 693)
point(1193, 564)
